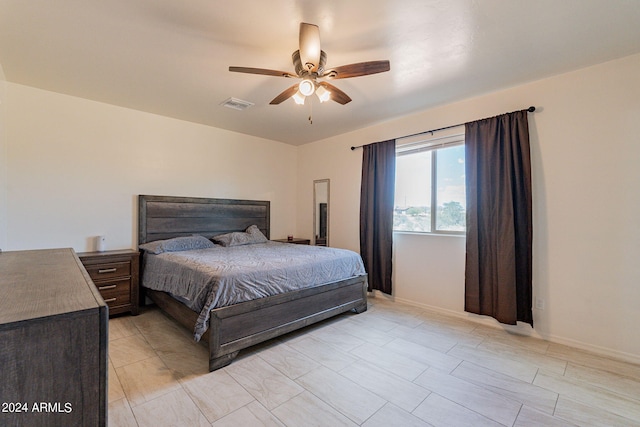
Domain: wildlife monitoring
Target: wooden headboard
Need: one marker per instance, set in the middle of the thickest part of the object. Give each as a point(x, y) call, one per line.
point(164, 217)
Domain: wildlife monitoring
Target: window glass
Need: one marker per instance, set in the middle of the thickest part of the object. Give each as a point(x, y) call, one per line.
point(450, 197)
point(430, 188)
point(413, 192)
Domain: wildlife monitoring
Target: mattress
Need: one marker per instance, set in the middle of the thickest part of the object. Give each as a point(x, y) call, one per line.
point(205, 279)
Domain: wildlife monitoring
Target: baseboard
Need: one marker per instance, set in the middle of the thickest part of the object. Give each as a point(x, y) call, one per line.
point(520, 329)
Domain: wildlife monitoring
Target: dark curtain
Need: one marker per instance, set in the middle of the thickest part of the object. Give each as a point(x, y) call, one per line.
point(499, 218)
point(376, 212)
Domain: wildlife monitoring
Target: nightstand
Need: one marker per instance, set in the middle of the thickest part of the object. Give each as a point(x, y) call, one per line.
point(115, 274)
point(295, 241)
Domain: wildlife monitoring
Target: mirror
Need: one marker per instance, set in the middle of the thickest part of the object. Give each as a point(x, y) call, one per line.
point(321, 212)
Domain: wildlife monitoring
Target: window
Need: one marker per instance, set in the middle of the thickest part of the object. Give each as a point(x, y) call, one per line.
point(430, 186)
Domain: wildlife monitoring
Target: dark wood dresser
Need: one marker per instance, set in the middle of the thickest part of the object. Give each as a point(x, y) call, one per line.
point(115, 274)
point(53, 341)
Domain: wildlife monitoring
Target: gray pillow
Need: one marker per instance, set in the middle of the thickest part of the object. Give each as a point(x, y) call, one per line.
point(256, 234)
point(237, 238)
point(177, 244)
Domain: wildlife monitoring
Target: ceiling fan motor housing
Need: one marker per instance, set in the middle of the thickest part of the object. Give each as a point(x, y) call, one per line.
point(303, 71)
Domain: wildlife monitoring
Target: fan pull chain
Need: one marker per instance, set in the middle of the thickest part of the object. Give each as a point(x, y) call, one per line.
point(310, 112)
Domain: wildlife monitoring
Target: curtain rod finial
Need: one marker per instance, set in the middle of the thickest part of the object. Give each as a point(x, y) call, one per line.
point(353, 148)
point(531, 109)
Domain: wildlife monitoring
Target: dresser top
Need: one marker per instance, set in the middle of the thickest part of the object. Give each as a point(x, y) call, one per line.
point(40, 283)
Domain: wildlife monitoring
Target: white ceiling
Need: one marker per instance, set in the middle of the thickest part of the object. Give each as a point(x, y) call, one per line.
point(171, 57)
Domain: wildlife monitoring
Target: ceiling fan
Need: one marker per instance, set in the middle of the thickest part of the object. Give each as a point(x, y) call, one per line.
point(309, 64)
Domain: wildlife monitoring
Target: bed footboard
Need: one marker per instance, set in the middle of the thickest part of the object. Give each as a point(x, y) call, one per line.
point(239, 326)
point(236, 327)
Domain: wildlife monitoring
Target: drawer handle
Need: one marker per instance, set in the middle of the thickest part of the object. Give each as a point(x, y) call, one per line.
point(110, 300)
point(107, 270)
point(104, 288)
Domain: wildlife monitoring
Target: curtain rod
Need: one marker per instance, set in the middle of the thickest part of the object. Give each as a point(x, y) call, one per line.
point(530, 110)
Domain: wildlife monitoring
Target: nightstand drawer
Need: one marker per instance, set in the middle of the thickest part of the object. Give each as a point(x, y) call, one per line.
point(109, 270)
point(115, 275)
point(115, 292)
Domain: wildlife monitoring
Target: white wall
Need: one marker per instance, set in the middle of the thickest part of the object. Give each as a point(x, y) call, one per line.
point(3, 161)
point(586, 200)
point(341, 167)
point(75, 168)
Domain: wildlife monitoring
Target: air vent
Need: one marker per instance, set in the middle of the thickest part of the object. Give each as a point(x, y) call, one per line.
point(237, 104)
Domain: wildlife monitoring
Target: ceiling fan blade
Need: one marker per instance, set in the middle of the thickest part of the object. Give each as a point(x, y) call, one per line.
point(262, 71)
point(336, 94)
point(288, 93)
point(309, 46)
point(357, 70)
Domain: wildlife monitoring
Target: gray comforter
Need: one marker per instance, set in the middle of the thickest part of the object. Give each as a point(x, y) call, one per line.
point(205, 279)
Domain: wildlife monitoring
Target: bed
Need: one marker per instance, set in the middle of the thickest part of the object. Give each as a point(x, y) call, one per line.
point(231, 328)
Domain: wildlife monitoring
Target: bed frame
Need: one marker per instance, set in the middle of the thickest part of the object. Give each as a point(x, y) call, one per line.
point(239, 326)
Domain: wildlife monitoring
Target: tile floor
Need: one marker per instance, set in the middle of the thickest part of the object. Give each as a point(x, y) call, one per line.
point(394, 365)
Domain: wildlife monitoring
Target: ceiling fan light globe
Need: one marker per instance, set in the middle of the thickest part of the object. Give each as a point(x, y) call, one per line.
point(323, 94)
point(306, 87)
point(298, 98)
